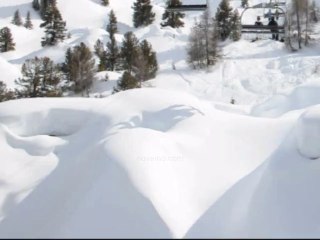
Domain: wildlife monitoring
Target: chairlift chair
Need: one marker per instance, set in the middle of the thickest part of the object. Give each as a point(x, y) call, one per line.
point(188, 7)
point(273, 10)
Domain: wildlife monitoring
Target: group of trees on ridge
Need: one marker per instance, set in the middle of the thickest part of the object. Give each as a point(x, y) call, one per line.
point(137, 60)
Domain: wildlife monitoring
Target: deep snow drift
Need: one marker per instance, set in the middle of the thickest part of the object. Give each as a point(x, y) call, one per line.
point(175, 160)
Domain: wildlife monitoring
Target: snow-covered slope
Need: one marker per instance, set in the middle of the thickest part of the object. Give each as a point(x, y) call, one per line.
point(174, 160)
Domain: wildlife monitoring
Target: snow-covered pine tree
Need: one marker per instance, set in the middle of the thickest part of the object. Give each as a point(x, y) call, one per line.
point(45, 5)
point(17, 18)
point(55, 27)
point(105, 2)
point(173, 19)
point(142, 13)
point(235, 26)
point(36, 5)
point(223, 17)
point(129, 51)
point(6, 40)
point(28, 24)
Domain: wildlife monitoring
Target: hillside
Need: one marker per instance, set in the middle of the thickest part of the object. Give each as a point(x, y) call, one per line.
point(170, 160)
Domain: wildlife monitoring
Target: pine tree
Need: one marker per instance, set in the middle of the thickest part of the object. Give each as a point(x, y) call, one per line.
point(54, 25)
point(5, 94)
point(202, 50)
point(146, 65)
point(314, 14)
point(99, 48)
point(44, 5)
point(129, 51)
point(244, 3)
point(111, 57)
point(67, 65)
point(80, 66)
point(223, 18)
point(103, 62)
point(173, 19)
point(36, 5)
point(40, 78)
point(17, 19)
point(235, 26)
point(101, 54)
point(196, 49)
point(6, 40)
point(142, 15)
point(28, 24)
point(105, 2)
point(112, 27)
point(127, 81)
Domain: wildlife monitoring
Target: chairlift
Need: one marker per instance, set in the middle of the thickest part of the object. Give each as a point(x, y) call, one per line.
point(187, 7)
point(271, 9)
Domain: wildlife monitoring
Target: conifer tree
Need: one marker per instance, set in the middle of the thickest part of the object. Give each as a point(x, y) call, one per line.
point(17, 19)
point(142, 15)
point(80, 67)
point(146, 65)
point(54, 25)
point(235, 26)
point(196, 49)
point(244, 3)
point(28, 24)
point(202, 47)
point(40, 78)
point(112, 27)
point(101, 54)
point(6, 40)
point(44, 5)
point(99, 48)
point(127, 81)
point(129, 51)
point(173, 19)
point(5, 94)
point(36, 5)
point(112, 55)
point(67, 65)
point(105, 2)
point(223, 18)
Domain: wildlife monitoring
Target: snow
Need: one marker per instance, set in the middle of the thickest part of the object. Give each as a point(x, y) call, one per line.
point(173, 159)
point(308, 133)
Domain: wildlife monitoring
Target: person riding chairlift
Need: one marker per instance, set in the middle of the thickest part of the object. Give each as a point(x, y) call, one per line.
point(273, 23)
point(258, 22)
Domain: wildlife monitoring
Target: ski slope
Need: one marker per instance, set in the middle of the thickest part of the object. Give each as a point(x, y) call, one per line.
point(171, 160)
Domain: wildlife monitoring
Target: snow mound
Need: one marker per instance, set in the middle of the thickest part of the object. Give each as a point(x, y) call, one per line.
point(308, 133)
point(279, 199)
point(301, 97)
